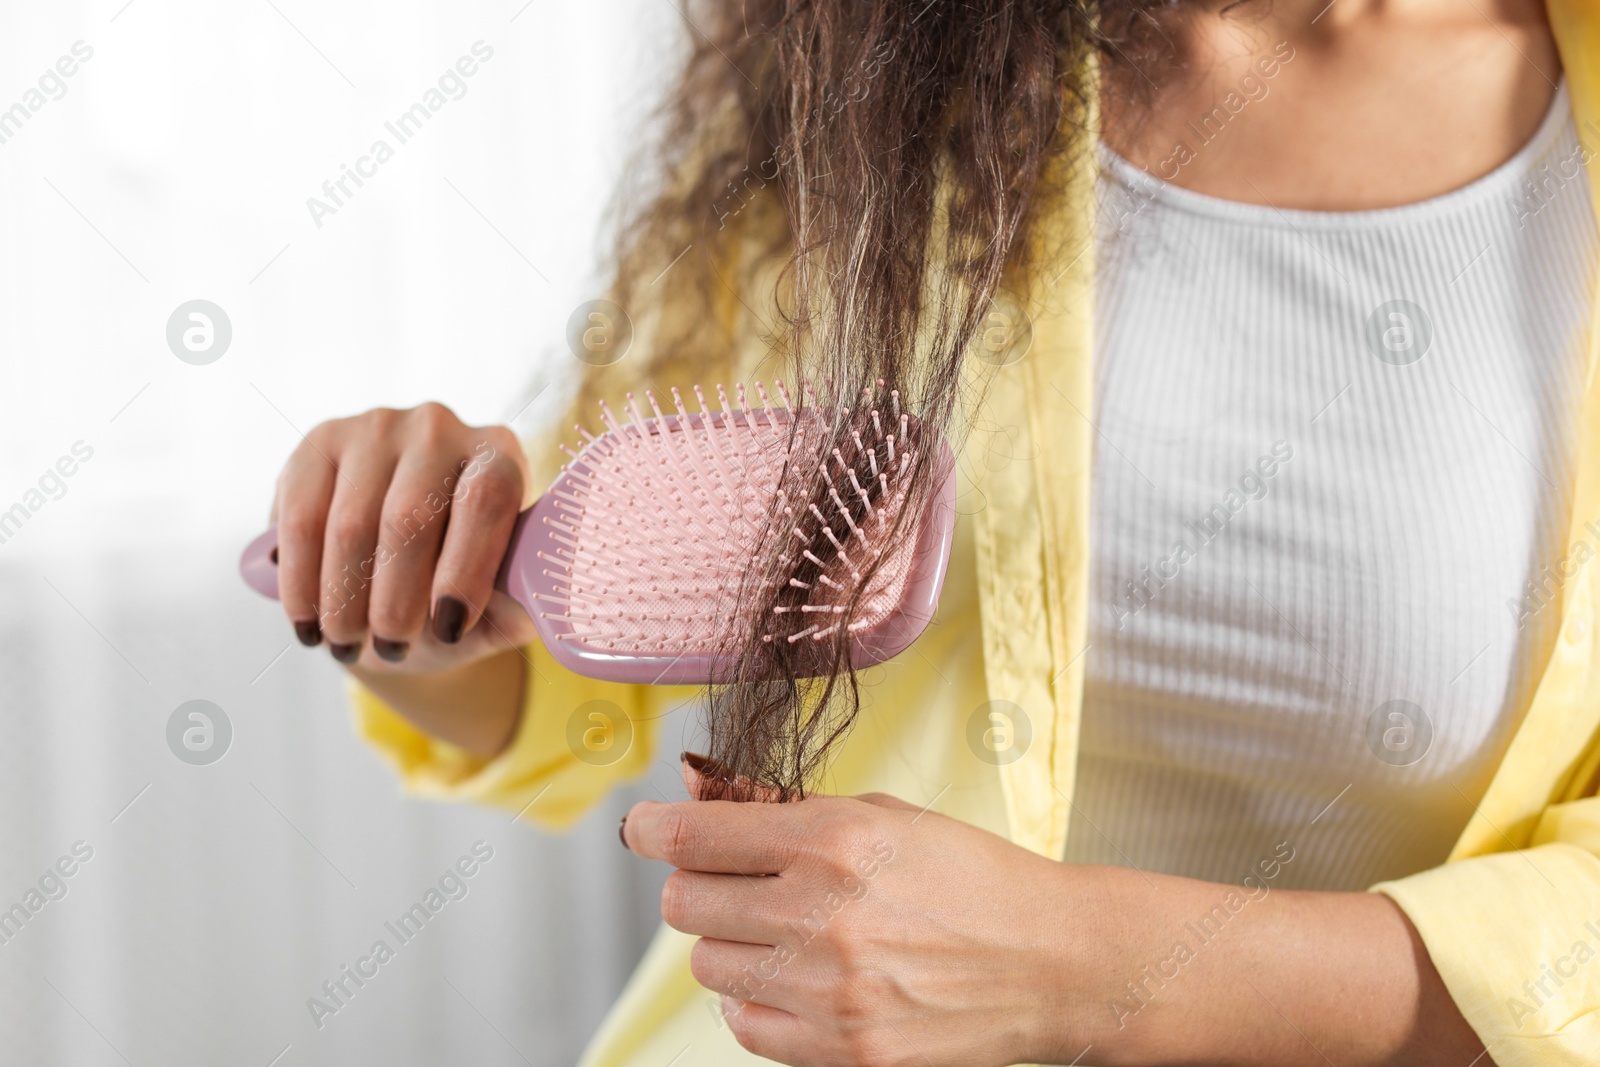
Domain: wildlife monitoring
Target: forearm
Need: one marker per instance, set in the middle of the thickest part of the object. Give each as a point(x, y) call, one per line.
point(475, 707)
point(1217, 974)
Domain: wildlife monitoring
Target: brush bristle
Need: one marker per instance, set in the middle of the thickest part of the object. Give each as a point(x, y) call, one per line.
point(659, 520)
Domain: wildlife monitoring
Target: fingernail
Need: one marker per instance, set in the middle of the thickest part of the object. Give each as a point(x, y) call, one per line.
point(449, 616)
point(704, 766)
point(309, 631)
point(622, 836)
point(390, 651)
point(344, 653)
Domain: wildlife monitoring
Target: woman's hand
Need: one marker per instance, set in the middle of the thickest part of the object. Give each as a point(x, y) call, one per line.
point(864, 931)
point(390, 518)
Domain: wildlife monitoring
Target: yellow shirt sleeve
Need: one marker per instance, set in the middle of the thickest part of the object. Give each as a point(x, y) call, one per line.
point(577, 738)
point(1516, 937)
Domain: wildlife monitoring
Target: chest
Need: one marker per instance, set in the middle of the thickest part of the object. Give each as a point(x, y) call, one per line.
point(1332, 474)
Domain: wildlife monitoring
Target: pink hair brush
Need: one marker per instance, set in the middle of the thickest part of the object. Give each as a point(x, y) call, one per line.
point(631, 565)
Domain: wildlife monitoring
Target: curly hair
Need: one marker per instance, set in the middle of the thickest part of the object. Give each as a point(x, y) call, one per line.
point(888, 156)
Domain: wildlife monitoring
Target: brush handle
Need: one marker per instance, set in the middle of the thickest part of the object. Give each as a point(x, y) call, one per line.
point(258, 565)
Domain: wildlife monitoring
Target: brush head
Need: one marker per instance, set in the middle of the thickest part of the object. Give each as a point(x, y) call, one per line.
point(637, 562)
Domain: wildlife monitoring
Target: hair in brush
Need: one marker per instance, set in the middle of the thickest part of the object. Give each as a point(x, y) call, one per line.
point(887, 153)
point(844, 515)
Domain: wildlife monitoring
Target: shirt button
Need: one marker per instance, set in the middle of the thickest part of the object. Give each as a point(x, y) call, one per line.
point(1578, 630)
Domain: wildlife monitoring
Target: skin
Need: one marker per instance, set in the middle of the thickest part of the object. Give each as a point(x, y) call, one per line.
point(352, 486)
point(1046, 950)
point(1382, 103)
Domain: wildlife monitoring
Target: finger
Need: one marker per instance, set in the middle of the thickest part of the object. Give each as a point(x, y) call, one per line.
point(484, 509)
point(349, 550)
point(709, 779)
point(415, 510)
point(729, 907)
point(719, 836)
point(770, 1033)
point(752, 974)
point(305, 491)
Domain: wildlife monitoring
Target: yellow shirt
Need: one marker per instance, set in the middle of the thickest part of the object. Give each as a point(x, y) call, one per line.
point(1511, 920)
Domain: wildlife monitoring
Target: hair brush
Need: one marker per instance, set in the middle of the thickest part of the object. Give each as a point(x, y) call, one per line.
point(635, 562)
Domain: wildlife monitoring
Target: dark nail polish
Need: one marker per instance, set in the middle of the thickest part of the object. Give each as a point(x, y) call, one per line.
point(717, 781)
point(622, 836)
point(344, 653)
point(390, 651)
point(449, 617)
point(705, 766)
point(309, 631)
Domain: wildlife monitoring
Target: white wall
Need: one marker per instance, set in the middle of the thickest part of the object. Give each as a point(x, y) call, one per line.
point(177, 166)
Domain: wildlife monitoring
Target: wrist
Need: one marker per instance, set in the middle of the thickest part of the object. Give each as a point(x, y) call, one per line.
point(1126, 969)
point(476, 706)
point(1090, 933)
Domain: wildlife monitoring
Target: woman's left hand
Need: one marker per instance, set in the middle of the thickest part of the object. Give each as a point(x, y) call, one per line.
point(863, 930)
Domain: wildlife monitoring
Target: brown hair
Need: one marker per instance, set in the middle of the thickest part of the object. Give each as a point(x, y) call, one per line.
point(888, 155)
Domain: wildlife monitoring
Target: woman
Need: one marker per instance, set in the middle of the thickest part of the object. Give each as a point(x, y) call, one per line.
point(1270, 586)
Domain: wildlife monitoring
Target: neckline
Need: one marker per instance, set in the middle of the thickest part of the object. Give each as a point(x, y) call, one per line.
point(1503, 180)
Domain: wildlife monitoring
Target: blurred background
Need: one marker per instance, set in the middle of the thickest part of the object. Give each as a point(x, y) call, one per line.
point(172, 164)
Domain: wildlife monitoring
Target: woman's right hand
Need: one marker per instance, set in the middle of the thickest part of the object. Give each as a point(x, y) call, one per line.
point(391, 528)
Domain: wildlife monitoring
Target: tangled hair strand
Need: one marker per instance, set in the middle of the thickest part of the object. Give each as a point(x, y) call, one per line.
point(888, 156)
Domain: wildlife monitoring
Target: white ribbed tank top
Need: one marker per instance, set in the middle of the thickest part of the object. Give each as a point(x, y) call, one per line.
point(1332, 450)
